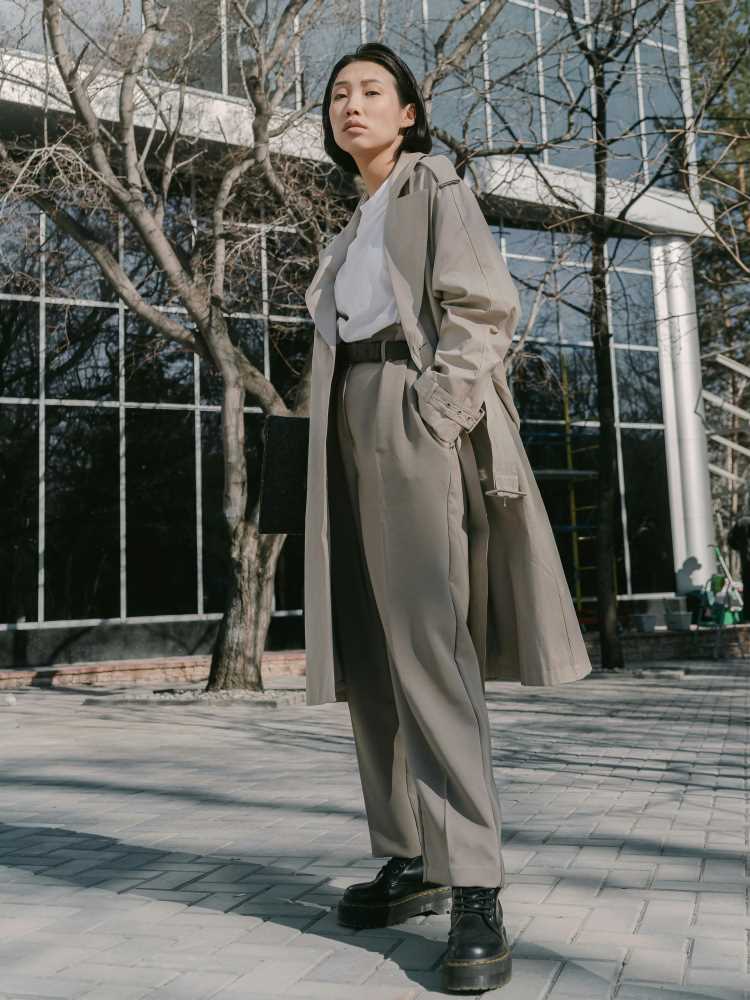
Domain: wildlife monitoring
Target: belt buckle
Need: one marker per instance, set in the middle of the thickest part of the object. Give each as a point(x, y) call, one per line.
point(382, 351)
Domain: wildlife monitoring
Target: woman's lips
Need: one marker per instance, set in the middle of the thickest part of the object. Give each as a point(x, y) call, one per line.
point(348, 128)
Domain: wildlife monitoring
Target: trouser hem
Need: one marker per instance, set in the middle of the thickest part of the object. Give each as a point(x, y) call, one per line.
point(465, 875)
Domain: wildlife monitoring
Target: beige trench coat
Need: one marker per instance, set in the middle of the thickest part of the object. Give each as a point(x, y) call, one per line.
point(458, 310)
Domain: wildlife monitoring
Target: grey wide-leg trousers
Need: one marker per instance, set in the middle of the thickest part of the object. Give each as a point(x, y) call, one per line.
point(400, 585)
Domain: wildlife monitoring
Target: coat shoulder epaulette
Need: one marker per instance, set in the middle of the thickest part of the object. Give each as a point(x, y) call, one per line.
point(442, 167)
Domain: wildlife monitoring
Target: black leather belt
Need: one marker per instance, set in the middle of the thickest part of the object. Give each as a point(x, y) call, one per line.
point(372, 350)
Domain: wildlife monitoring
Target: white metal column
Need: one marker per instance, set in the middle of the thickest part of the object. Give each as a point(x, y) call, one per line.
point(685, 433)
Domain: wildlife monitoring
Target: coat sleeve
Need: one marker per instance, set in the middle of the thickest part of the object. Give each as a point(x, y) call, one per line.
point(480, 309)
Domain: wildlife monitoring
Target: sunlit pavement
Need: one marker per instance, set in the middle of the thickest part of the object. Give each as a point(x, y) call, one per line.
point(192, 851)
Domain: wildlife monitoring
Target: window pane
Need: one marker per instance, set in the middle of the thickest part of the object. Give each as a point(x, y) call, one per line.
point(156, 370)
point(638, 386)
point(82, 349)
point(289, 345)
point(249, 333)
point(82, 548)
point(143, 270)
point(528, 242)
point(564, 65)
point(578, 382)
point(215, 542)
point(71, 272)
point(161, 539)
point(215, 539)
point(21, 26)
point(19, 349)
point(334, 28)
point(662, 102)
point(19, 248)
point(288, 584)
point(623, 117)
point(537, 308)
point(665, 30)
point(19, 477)
point(633, 317)
point(536, 383)
point(514, 81)
point(629, 253)
point(189, 45)
point(288, 273)
point(575, 304)
point(647, 502)
point(458, 101)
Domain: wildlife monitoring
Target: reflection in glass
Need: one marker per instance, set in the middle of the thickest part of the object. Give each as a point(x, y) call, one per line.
point(215, 537)
point(161, 537)
point(647, 502)
point(188, 49)
point(82, 348)
point(575, 303)
point(638, 386)
point(528, 277)
point(70, 271)
point(623, 121)
point(665, 30)
point(142, 269)
point(514, 81)
point(21, 26)
point(564, 65)
point(632, 300)
point(579, 382)
point(19, 349)
point(528, 242)
point(289, 579)
point(629, 253)
point(19, 478)
point(334, 30)
point(215, 541)
point(82, 508)
point(536, 383)
point(289, 345)
point(288, 263)
point(662, 102)
point(19, 248)
point(156, 370)
point(250, 335)
point(458, 100)
point(243, 284)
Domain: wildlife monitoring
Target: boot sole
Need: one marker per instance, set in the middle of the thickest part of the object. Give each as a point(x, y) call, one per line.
point(384, 915)
point(471, 976)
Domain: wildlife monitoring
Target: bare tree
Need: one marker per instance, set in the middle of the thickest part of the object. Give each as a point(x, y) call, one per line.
point(124, 136)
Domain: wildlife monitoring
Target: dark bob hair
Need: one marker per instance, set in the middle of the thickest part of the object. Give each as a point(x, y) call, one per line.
point(417, 137)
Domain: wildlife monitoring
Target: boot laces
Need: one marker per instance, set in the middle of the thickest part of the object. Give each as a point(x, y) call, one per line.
point(475, 900)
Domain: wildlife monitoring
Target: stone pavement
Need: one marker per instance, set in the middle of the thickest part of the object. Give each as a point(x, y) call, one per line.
point(181, 852)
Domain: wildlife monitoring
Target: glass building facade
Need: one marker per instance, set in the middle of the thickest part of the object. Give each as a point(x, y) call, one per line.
point(111, 472)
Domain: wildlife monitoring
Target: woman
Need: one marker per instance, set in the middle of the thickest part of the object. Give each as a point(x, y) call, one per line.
point(430, 563)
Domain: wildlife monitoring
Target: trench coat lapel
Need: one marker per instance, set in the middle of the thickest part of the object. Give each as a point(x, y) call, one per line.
point(405, 249)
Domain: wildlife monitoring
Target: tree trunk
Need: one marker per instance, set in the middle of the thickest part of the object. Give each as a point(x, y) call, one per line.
point(239, 646)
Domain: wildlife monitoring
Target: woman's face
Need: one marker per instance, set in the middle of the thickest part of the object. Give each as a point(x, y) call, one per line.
point(364, 98)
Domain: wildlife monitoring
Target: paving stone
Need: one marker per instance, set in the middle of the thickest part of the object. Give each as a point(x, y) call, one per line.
point(149, 864)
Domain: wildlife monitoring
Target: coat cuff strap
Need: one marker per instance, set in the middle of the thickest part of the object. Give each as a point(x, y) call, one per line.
point(440, 410)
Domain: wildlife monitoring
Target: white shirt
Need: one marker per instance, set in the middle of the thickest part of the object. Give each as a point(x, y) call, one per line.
point(362, 289)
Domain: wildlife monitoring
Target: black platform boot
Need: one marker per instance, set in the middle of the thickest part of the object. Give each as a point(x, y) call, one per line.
point(396, 893)
point(478, 956)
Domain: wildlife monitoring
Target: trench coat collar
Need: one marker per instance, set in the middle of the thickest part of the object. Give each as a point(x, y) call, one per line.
point(405, 246)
